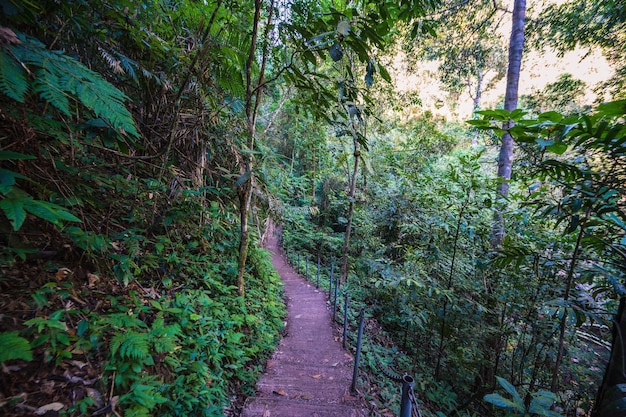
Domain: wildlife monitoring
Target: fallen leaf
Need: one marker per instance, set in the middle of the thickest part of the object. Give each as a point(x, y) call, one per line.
point(63, 273)
point(280, 392)
point(49, 407)
point(78, 364)
point(95, 396)
point(317, 376)
point(349, 398)
point(10, 368)
point(47, 387)
point(92, 280)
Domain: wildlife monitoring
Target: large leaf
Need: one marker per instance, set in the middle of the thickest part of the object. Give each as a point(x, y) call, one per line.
point(13, 208)
point(12, 346)
point(7, 179)
point(508, 387)
point(336, 52)
point(13, 81)
point(613, 108)
point(499, 401)
point(542, 402)
point(59, 77)
point(10, 155)
point(48, 211)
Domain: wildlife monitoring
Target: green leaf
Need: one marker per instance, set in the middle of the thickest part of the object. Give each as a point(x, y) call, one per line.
point(13, 81)
point(7, 180)
point(542, 402)
point(550, 116)
point(130, 345)
point(517, 114)
point(384, 73)
point(543, 142)
point(557, 148)
point(10, 155)
point(336, 52)
point(47, 85)
point(369, 77)
point(613, 108)
point(508, 387)
point(12, 346)
point(500, 401)
point(48, 211)
point(14, 210)
point(479, 123)
point(82, 327)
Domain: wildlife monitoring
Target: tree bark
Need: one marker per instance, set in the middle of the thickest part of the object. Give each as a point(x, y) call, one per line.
point(351, 194)
point(505, 159)
point(563, 323)
point(611, 390)
point(494, 342)
point(313, 180)
point(246, 180)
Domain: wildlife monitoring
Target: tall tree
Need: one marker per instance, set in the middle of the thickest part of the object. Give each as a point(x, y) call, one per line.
point(505, 163)
point(592, 24)
point(505, 158)
point(254, 88)
point(468, 47)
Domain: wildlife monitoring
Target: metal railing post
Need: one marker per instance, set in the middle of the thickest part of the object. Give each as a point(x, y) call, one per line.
point(345, 323)
point(406, 407)
point(318, 271)
point(298, 264)
point(335, 301)
point(357, 357)
point(330, 280)
point(306, 267)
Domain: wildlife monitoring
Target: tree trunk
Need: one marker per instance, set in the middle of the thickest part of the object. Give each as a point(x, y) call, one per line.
point(563, 323)
point(246, 180)
point(612, 392)
point(494, 342)
point(505, 159)
point(476, 99)
point(351, 194)
point(313, 180)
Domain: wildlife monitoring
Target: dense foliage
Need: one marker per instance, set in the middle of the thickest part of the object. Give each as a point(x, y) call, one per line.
point(146, 147)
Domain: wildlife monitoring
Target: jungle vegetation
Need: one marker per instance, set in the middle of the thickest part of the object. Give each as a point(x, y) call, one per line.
point(146, 148)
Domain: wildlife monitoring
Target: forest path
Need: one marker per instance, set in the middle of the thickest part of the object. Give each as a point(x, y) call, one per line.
point(309, 373)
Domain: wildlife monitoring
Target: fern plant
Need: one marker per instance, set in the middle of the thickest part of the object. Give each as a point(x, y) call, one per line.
point(58, 79)
point(12, 346)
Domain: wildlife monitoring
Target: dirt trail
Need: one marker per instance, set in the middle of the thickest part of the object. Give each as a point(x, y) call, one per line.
point(309, 373)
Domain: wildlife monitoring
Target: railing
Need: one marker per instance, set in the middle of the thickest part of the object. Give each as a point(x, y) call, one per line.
point(408, 402)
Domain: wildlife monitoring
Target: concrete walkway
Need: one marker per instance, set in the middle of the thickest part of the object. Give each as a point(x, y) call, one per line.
point(309, 373)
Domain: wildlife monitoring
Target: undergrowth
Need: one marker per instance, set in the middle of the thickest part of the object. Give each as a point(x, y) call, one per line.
point(117, 275)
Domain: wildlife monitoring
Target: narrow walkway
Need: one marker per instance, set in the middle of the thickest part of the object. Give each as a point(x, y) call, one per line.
point(309, 374)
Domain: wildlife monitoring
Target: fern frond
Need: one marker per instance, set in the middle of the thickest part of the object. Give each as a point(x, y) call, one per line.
point(130, 345)
point(12, 78)
point(12, 346)
point(164, 338)
point(47, 86)
point(60, 76)
point(114, 64)
point(128, 65)
point(124, 321)
point(107, 102)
